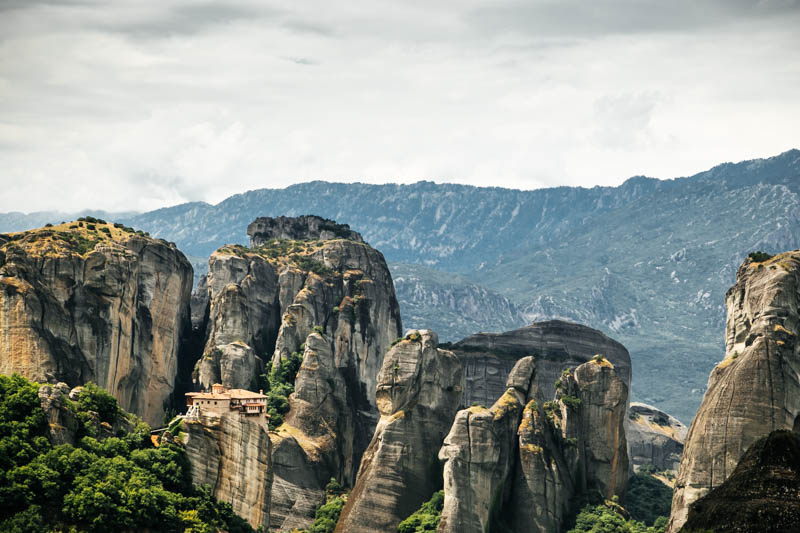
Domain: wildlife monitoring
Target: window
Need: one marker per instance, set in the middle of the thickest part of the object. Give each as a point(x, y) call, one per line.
point(215, 402)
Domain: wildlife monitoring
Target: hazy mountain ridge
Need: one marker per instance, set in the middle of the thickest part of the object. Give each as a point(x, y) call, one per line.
point(460, 304)
point(647, 262)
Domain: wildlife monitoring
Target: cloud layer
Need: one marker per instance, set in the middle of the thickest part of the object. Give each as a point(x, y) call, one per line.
point(133, 105)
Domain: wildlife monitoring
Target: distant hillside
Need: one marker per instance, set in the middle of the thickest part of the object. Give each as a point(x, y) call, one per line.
point(454, 306)
point(647, 262)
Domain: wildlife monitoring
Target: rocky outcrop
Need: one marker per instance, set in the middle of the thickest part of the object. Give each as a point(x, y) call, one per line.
point(232, 455)
point(756, 387)
point(489, 357)
point(90, 301)
point(309, 286)
point(479, 454)
point(233, 365)
point(761, 494)
point(654, 437)
point(418, 393)
point(272, 295)
point(570, 449)
point(61, 420)
point(317, 440)
point(304, 228)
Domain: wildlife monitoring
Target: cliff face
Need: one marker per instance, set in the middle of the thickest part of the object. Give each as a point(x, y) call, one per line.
point(755, 389)
point(270, 296)
point(311, 286)
point(489, 357)
point(654, 437)
point(571, 447)
point(418, 393)
point(762, 493)
point(232, 455)
point(522, 464)
point(86, 302)
point(479, 457)
point(303, 228)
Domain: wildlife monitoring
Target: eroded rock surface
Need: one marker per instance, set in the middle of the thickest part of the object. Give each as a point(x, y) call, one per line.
point(233, 365)
point(654, 437)
point(86, 302)
point(755, 389)
point(479, 454)
point(310, 286)
point(489, 357)
point(570, 448)
point(303, 228)
point(418, 393)
point(232, 455)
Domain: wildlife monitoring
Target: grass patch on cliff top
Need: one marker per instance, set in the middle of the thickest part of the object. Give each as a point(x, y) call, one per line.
point(79, 237)
point(283, 252)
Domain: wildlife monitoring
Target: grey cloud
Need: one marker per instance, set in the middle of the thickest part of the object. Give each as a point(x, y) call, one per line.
point(304, 26)
point(543, 18)
point(188, 19)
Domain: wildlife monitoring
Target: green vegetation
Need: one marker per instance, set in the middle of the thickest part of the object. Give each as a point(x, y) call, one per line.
point(294, 252)
point(119, 483)
point(426, 518)
point(573, 402)
point(414, 337)
point(78, 242)
point(280, 384)
point(609, 517)
point(759, 256)
point(328, 514)
point(647, 498)
point(318, 329)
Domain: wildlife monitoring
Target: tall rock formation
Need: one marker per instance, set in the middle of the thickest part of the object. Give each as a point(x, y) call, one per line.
point(232, 455)
point(91, 301)
point(419, 391)
point(756, 387)
point(570, 448)
point(311, 286)
point(522, 464)
point(654, 437)
point(489, 357)
point(479, 457)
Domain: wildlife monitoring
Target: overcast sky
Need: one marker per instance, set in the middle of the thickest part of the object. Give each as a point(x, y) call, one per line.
point(134, 105)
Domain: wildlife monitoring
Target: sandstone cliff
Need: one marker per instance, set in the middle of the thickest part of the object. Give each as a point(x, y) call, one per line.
point(761, 494)
point(232, 455)
point(571, 448)
point(654, 437)
point(272, 295)
point(479, 457)
point(90, 301)
point(310, 286)
point(755, 389)
point(418, 393)
point(489, 357)
point(303, 228)
point(522, 464)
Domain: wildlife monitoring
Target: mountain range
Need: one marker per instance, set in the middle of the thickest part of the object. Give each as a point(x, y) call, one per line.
point(647, 262)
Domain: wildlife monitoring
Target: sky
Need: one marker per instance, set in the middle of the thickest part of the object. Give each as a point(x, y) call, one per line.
point(135, 105)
